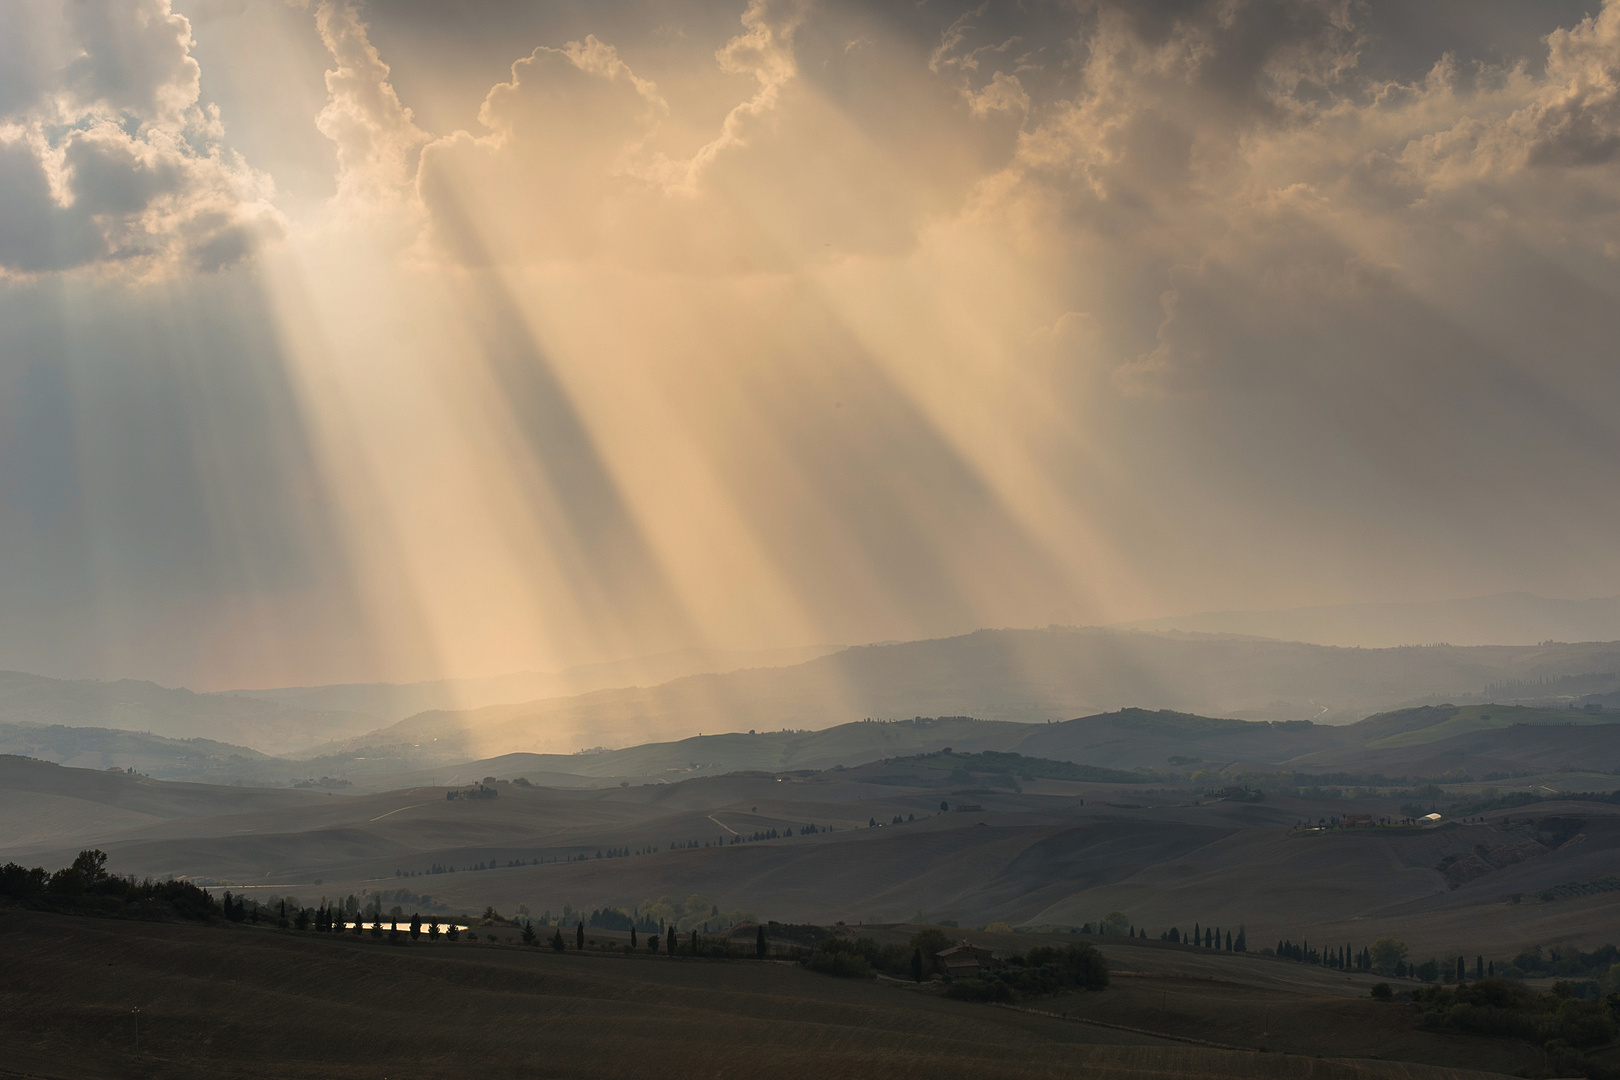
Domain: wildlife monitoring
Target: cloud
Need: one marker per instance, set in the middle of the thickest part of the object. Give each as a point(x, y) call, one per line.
point(554, 173)
point(106, 157)
point(1003, 94)
point(376, 136)
point(1231, 158)
point(764, 50)
point(565, 167)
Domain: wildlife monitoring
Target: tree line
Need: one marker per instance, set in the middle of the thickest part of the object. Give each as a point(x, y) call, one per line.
point(86, 887)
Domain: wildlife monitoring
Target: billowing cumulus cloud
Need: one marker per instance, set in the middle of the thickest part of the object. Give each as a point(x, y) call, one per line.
point(106, 156)
point(377, 139)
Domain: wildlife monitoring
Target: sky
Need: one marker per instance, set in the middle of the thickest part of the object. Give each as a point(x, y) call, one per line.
point(400, 340)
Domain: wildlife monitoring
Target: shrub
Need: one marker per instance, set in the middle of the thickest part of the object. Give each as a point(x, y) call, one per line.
point(1382, 992)
point(1504, 1008)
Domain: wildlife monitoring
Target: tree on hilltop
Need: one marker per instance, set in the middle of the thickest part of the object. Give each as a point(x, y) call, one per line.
point(91, 865)
point(579, 935)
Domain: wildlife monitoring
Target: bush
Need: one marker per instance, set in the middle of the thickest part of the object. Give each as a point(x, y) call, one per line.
point(1382, 992)
point(1504, 1008)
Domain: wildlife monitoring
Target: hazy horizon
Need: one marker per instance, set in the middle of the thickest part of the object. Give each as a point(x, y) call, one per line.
point(394, 342)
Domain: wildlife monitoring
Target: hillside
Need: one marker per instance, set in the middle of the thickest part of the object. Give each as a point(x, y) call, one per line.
point(136, 706)
point(971, 837)
point(1140, 739)
point(1485, 752)
point(169, 759)
point(239, 1001)
point(1415, 727)
point(44, 804)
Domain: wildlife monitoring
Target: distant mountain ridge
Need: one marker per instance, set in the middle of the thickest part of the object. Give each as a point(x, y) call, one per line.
point(1026, 676)
point(174, 713)
point(1512, 618)
point(391, 702)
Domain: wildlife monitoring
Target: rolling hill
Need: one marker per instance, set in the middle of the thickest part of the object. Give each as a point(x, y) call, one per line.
point(43, 804)
point(169, 759)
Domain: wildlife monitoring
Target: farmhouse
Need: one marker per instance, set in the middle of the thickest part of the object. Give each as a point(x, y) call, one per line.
point(965, 960)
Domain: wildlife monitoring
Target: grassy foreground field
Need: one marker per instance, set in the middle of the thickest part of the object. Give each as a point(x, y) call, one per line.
point(243, 1002)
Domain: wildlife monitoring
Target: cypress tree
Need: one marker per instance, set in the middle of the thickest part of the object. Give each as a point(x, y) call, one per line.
point(671, 941)
point(416, 926)
point(579, 935)
point(759, 943)
point(1195, 938)
point(557, 942)
point(1479, 967)
point(1462, 970)
point(632, 936)
point(1229, 941)
point(916, 965)
point(694, 941)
